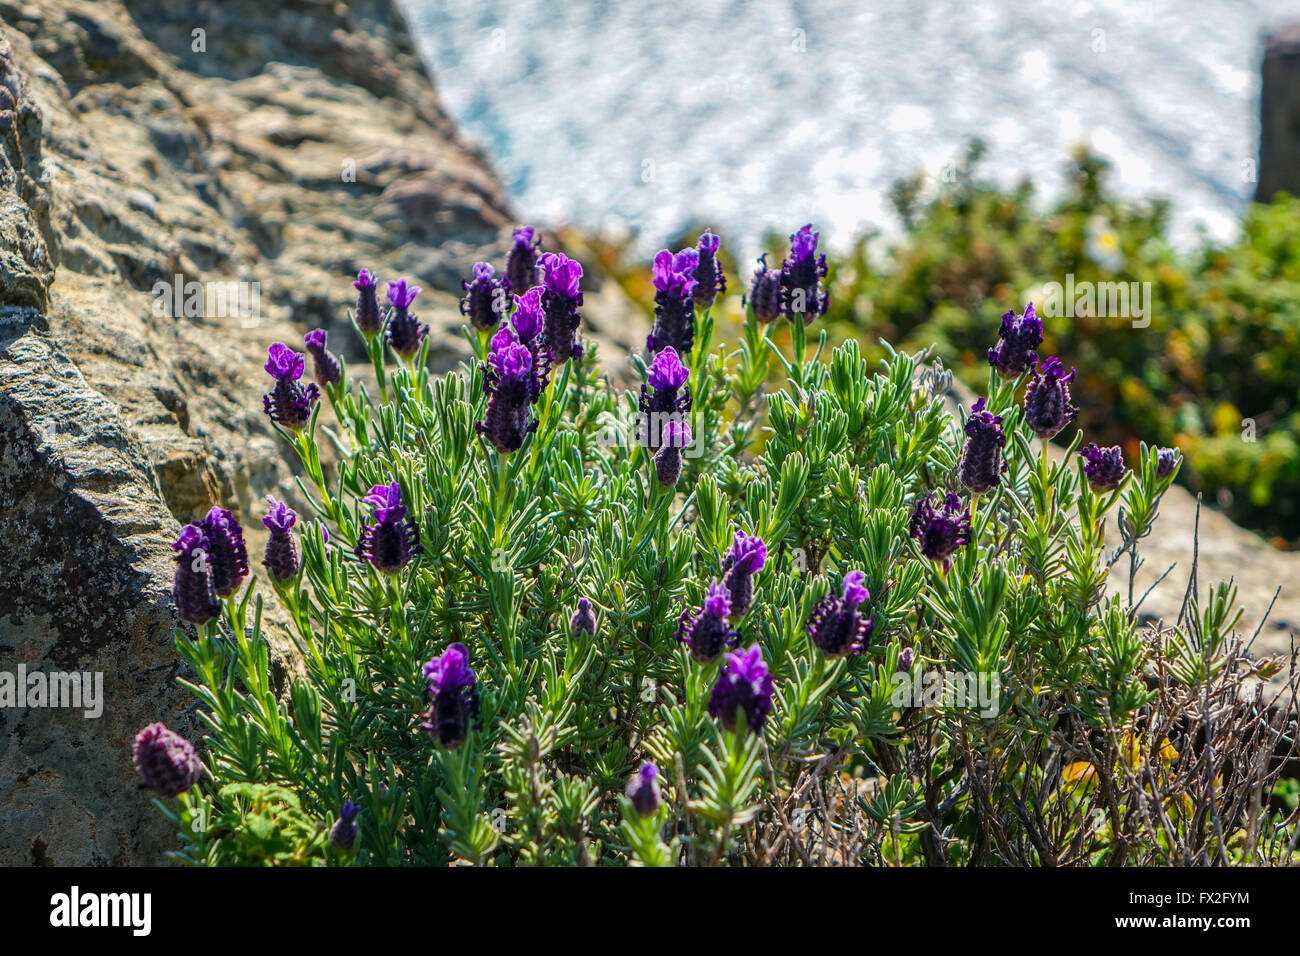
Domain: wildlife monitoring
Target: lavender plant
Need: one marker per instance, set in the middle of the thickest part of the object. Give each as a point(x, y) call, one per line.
point(519, 642)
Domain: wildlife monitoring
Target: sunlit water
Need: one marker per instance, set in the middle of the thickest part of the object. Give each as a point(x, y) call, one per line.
point(645, 116)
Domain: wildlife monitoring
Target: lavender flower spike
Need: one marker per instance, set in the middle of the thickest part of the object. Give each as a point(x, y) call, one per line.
point(674, 282)
point(324, 364)
point(643, 790)
point(193, 592)
point(165, 760)
point(710, 281)
point(765, 292)
point(746, 558)
point(404, 330)
point(227, 555)
point(521, 260)
point(707, 633)
point(668, 396)
point(668, 460)
point(583, 620)
point(453, 696)
point(485, 299)
point(561, 279)
point(1047, 399)
point(801, 278)
point(744, 686)
point(367, 315)
point(1103, 467)
point(283, 561)
point(390, 542)
point(343, 834)
point(981, 458)
point(940, 532)
point(1019, 336)
point(837, 628)
point(510, 378)
point(1166, 461)
point(289, 403)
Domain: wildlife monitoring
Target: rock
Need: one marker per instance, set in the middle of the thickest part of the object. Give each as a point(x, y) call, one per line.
point(1279, 115)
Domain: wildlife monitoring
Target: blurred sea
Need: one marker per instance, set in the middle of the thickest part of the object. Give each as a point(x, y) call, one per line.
point(754, 114)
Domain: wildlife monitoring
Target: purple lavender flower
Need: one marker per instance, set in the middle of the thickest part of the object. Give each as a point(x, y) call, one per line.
point(583, 620)
point(165, 760)
point(801, 278)
point(1103, 467)
point(710, 281)
point(981, 459)
point(390, 542)
point(561, 279)
point(744, 686)
point(1019, 336)
point(668, 460)
point(485, 297)
point(905, 658)
point(193, 591)
point(324, 364)
point(1166, 461)
point(404, 330)
point(344, 831)
point(227, 556)
point(367, 315)
point(283, 560)
point(521, 260)
point(453, 696)
point(940, 533)
point(643, 790)
point(665, 396)
point(746, 558)
point(511, 381)
point(289, 403)
point(530, 316)
point(836, 626)
point(707, 633)
point(1047, 399)
point(765, 292)
point(674, 282)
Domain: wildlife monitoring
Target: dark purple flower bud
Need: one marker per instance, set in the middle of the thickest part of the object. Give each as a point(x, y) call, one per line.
point(710, 282)
point(193, 592)
point(344, 831)
point(282, 561)
point(801, 278)
point(744, 686)
point(1019, 336)
point(1047, 399)
point(707, 633)
point(485, 297)
point(981, 459)
point(512, 383)
point(674, 282)
point(324, 364)
point(905, 658)
point(746, 558)
point(665, 397)
point(452, 696)
point(837, 627)
point(1103, 467)
point(165, 760)
point(1166, 461)
point(521, 260)
point(765, 292)
point(367, 315)
point(404, 330)
point(389, 543)
point(290, 402)
point(940, 533)
point(583, 620)
point(668, 460)
point(561, 280)
point(227, 556)
point(643, 790)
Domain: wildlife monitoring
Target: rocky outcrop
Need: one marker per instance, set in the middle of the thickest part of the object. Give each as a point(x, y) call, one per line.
point(263, 149)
